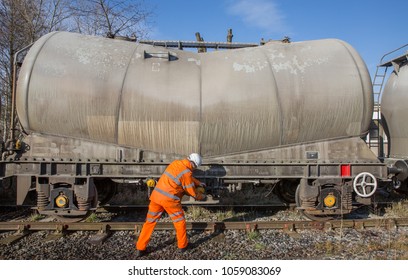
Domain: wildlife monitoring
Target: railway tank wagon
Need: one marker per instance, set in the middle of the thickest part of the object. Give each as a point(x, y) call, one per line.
point(394, 114)
point(99, 110)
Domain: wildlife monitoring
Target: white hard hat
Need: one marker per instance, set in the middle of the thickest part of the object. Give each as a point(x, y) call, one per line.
point(196, 159)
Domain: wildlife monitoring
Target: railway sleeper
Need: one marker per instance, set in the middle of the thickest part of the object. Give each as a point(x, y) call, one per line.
point(21, 232)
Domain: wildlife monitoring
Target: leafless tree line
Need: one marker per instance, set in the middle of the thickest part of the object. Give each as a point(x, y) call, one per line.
point(24, 21)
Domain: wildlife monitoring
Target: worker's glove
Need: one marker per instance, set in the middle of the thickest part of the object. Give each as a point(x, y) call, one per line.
point(201, 197)
point(203, 185)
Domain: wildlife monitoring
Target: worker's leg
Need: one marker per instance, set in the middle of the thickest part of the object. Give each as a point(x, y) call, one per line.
point(176, 214)
point(153, 215)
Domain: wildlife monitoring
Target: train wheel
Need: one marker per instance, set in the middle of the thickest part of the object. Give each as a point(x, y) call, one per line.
point(69, 207)
point(286, 190)
point(106, 189)
point(78, 218)
point(309, 216)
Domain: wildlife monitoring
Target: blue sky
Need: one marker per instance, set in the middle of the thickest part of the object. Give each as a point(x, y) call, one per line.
point(372, 27)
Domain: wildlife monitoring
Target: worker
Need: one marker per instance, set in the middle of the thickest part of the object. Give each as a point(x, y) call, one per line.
point(176, 181)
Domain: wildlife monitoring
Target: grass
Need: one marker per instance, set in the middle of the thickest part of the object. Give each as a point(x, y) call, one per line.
point(230, 256)
point(253, 235)
point(260, 246)
point(93, 218)
point(222, 215)
point(198, 212)
point(36, 217)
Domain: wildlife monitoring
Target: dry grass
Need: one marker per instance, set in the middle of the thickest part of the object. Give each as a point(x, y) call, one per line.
point(200, 213)
point(393, 249)
point(329, 247)
point(397, 210)
point(400, 244)
point(197, 212)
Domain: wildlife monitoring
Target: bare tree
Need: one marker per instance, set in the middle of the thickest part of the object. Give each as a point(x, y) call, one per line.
point(111, 17)
point(21, 23)
point(11, 29)
point(24, 21)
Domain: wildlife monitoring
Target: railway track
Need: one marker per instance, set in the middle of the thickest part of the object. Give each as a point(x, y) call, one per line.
point(103, 229)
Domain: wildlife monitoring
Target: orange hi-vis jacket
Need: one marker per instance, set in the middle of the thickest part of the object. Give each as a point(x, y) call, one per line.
point(176, 181)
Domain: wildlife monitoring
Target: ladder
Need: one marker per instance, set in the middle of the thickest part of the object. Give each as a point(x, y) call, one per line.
point(378, 83)
point(375, 137)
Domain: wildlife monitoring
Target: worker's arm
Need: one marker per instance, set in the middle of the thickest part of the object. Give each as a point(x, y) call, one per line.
point(197, 182)
point(189, 184)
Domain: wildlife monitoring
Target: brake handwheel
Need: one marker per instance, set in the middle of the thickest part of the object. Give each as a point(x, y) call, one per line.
point(365, 184)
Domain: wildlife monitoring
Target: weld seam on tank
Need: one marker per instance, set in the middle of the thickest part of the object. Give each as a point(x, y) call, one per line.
point(31, 67)
point(363, 90)
point(120, 103)
point(277, 96)
point(200, 121)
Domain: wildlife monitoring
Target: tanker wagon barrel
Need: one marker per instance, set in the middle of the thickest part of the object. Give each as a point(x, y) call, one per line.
point(176, 102)
point(305, 105)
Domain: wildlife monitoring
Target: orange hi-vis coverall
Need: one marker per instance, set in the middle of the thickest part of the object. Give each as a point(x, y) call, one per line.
point(176, 180)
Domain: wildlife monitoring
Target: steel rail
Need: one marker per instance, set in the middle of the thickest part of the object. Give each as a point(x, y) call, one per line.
point(210, 226)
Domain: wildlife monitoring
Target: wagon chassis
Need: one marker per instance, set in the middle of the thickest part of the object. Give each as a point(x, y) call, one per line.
point(60, 182)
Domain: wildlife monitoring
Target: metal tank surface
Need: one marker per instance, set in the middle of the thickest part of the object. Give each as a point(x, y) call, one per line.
point(176, 102)
point(393, 108)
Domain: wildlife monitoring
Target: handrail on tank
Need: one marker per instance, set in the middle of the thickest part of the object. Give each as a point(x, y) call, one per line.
point(194, 44)
point(14, 88)
point(382, 58)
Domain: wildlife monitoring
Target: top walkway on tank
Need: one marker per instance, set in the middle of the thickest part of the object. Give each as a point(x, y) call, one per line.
point(193, 44)
point(398, 59)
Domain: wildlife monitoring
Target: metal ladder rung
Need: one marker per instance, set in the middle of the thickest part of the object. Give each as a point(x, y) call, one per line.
point(378, 85)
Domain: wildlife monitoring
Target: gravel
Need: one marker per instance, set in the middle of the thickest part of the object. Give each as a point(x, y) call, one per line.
point(339, 244)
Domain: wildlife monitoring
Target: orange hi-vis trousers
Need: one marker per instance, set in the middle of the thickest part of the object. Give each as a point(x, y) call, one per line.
point(154, 213)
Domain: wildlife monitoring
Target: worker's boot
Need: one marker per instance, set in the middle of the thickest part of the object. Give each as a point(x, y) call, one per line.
point(140, 253)
point(185, 249)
